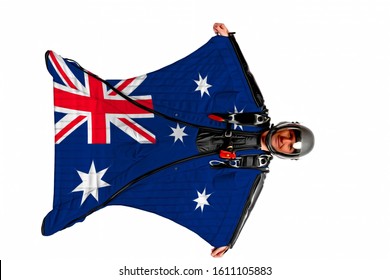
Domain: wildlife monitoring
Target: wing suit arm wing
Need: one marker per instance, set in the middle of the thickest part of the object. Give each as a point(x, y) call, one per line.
point(253, 196)
point(257, 95)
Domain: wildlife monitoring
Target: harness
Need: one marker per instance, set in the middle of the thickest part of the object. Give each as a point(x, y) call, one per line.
point(226, 143)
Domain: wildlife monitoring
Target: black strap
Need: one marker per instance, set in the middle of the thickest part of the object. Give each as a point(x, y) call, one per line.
point(259, 162)
point(249, 119)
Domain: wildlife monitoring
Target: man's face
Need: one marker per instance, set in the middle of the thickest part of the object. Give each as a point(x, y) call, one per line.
point(283, 140)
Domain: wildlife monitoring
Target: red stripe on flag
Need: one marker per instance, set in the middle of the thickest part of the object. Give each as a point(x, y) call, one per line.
point(138, 130)
point(122, 86)
point(98, 119)
point(67, 128)
point(63, 74)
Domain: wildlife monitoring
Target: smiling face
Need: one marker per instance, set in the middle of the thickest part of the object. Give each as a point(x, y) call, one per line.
point(283, 140)
point(287, 140)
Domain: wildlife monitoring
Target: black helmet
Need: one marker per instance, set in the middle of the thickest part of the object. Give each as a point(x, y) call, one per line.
point(303, 145)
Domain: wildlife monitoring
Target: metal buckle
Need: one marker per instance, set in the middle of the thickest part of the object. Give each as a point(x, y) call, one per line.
point(232, 118)
point(260, 119)
point(263, 160)
point(234, 163)
point(228, 133)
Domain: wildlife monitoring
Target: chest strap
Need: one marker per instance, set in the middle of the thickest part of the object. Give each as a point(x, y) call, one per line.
point(259, 162)
point(250, 119)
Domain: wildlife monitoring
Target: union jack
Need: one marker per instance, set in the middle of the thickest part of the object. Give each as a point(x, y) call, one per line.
point(93, 102)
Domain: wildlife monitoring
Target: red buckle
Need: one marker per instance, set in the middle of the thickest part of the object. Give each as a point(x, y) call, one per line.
point(227, 155)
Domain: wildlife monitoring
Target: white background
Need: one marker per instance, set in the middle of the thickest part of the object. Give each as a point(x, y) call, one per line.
point(323, 63)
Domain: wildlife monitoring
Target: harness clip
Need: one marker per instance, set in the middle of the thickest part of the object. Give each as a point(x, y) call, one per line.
point(227, 155)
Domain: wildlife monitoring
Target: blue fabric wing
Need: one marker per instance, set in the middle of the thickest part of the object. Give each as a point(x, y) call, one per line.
point(208, 201)
point(216, 66)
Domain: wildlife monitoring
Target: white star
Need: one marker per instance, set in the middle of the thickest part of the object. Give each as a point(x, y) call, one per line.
point(202, 86)
point(237, 112)
point(91, 182)
point(178, 133)
point(202, 199)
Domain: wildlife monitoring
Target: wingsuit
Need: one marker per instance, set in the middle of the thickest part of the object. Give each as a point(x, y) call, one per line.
point(182, 142)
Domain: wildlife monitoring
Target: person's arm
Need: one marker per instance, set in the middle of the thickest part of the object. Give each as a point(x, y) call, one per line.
point(220, 29)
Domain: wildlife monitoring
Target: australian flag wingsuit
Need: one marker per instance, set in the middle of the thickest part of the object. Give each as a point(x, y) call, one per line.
point(181, 142)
